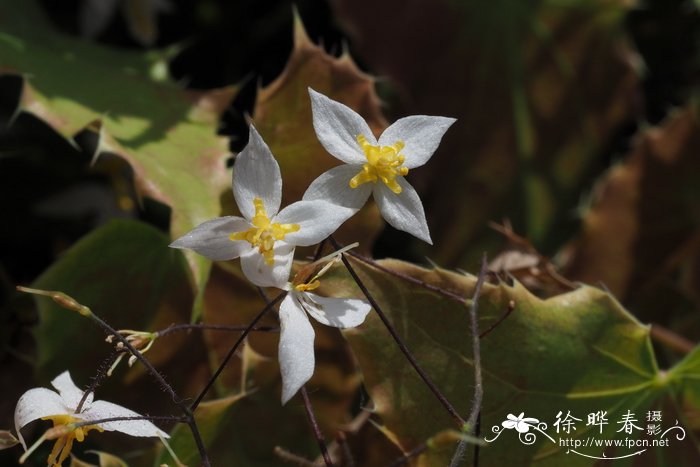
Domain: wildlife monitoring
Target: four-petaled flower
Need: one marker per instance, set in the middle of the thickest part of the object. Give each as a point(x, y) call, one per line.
point(60, 408)
point(375, 166)
point(522, 425)
point(296, 347)
point(265, 237)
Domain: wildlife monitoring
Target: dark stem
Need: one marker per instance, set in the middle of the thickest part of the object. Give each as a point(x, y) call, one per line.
point(509, 310)
point(477, 447)
point(315, 428)
point(212, 327)
point(426, 379)
point(164, 384)
point(476, 350)
point(415, 452)
point(446, 293)
point(150, 418)
point(98, 378)
point(234, 348)
point(348, 460)
point(305, 397)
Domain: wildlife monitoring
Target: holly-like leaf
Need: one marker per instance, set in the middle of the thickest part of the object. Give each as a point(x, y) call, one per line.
point(537, 87)
point(643, 223)
point(579, 352)
point(167, 135)
point(282, 114)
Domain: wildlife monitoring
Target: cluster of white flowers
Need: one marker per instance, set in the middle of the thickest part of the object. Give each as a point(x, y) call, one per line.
point(265, 239)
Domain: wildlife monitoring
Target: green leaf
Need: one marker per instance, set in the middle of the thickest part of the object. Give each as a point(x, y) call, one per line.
point(579, 352)
point(125, 272)
point(167, 135)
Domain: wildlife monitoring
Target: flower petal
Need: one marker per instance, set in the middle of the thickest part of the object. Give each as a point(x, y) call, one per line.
point(509, 424)
point(522, 427)
point(337, 128)
point(70, 393)
point(337, 312)
point(421, 135)
point(260, 273)
point(256, 174)
point(296, 349)
point(103, 409)
point(35, 404)
point(333, 186)
point(403, 211)
point(316, 219)
point(211, 238)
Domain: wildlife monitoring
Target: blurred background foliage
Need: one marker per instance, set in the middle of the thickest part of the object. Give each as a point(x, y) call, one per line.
point(573, 159)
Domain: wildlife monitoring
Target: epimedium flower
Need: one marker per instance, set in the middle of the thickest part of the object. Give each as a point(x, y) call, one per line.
point(61, 408)
point(374, 166)
point(265, 237)
point(296, 347)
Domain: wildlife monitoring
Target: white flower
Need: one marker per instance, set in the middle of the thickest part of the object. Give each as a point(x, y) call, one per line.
point(296, 347)
point(375, 166)
point(521, 423)
point(265, 237)
point(60, 408)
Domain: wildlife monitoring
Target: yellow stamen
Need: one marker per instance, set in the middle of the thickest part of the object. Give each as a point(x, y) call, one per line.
point(306, 287)
point(264, 233)
point(66, 435)
point(383, 163)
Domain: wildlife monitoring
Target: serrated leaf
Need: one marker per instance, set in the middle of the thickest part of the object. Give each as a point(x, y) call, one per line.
point(642, 225)
point(282, 114)
point(537, 87)
point(579, 352)
point(167, 135)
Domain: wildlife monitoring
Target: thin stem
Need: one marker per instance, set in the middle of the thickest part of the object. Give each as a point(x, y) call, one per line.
point(509, 310)
point(212, 327)
point(433, 288)
point(150, 418)
point(164, 384)
point(477, 447)
point(459, 421)
point(305, 397)
point(315, 428)
point(670, 339)
point(234, 348)
point(70, 303)
point(415, 452)
point(98, 378)
point(476, 350)
point(292, 458)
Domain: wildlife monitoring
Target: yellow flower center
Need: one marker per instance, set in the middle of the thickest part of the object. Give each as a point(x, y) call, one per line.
point(64, 443)
point(383, 163)
point(264, 233)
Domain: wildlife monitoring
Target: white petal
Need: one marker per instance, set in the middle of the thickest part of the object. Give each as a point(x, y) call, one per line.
point(316, 219)
point(403, 211)
point(296, 349)
point(337, 312)
point(260, 273)
point(35, 404)
point(211, 238)
point(101, 409)
point(256, 175)
point(337, 128)
point(70, 393)
point(509, 424)
point(421, 135)
point(334, 186)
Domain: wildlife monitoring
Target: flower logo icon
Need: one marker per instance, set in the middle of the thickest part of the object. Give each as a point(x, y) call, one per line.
point(520, 423)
